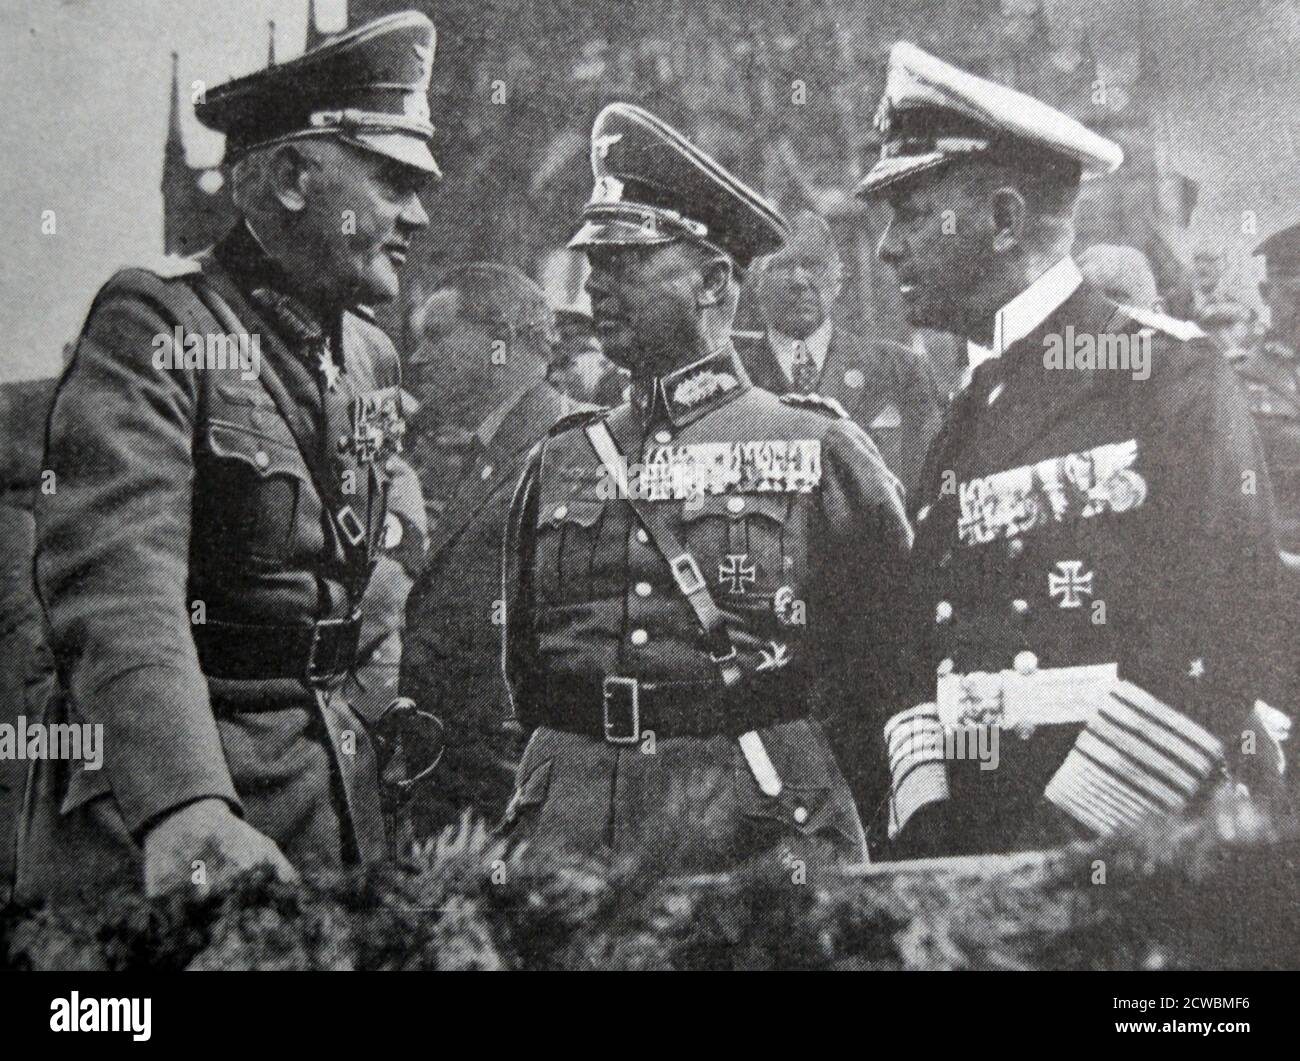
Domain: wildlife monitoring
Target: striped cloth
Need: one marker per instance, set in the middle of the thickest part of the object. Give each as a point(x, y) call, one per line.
point(1136, 757)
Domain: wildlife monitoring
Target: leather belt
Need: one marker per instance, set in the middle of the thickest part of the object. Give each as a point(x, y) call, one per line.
point(1010, 699)
point(621, 710)
point(317, 655)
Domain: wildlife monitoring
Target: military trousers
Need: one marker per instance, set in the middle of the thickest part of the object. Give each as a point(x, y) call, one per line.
point(684, 805)
point(304, 772)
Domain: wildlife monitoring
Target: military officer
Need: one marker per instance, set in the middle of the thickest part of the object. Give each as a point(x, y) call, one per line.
point(1094, 561)
point(697, 578)
point(220, 445)
point(888, 389)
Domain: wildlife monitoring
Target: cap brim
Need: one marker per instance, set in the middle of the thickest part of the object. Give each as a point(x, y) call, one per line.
point(411, 150)
point(891, 171)
point(610, 232)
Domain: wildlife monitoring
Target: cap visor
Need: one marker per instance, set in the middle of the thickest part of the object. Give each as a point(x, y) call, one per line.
point(890, 171)
point(610, 232)
point(411, 150)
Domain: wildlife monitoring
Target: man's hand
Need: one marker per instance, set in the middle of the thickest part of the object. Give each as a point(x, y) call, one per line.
point(209, 832)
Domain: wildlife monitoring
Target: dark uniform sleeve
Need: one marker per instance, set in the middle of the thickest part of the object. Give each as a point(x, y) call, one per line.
point(519, 639)
point(858, 553)
point(112, 563)
point(1204, 631)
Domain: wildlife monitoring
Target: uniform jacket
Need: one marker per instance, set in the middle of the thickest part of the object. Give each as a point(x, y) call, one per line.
point(1085, 517)
point(806, 578)
point(181, 493)
point(21, 658)
point(452, 659)
point(1273, 395)
point(888, 390)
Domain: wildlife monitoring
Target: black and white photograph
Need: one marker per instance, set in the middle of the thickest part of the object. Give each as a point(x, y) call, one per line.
point(662, 485)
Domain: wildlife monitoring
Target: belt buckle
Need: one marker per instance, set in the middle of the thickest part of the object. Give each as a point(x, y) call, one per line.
point(623, 724)
point(981, 699)
point(329, 654)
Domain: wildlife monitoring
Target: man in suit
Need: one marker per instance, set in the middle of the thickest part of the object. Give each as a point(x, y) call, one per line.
point(887, 388)
point(205, 550)
point(1095, 563)
point(451, 663)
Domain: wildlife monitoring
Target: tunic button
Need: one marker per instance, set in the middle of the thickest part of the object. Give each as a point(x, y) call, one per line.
point(735, 504)
point(922, 513)
point(639, 637)
point(1025, 662)
point(663, 437)
point(642, 536)
point(801, 815)
point(486, 473)
point(261, 459)
point(945, 667)
point(942, 612)
point(345, 442)
point(1015, 547)
point(643, 589)
point(561, 511)
point(1020, 606)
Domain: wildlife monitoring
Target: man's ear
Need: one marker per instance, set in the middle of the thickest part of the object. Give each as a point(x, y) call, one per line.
point(290, 172)
point(1009, 212)
point(715, 276)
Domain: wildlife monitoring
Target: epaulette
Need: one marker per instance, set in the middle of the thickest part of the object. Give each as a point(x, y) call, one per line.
point(365, 313)
point(817, 401)
point(577, 418)
point(170, 266)
point(1162, 322)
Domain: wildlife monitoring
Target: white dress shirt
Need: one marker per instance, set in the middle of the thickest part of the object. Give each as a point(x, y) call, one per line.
point(1024, 313)
point(816, 345)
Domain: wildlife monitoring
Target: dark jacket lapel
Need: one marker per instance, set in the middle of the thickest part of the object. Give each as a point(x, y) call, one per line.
point(530, 418)
point(1034, 398)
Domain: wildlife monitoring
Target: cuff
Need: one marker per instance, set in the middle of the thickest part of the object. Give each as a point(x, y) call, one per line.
point(917, 771)
point(1136, 757)
point(161, 745)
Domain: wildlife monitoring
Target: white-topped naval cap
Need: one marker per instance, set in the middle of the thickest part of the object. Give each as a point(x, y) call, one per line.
point(933, 112)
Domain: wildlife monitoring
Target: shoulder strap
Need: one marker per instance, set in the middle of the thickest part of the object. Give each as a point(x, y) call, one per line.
point(352, 538)
point(685, 568)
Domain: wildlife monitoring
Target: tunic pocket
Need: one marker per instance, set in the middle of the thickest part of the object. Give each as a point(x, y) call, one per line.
point(739, 541)
point(566, 537)
point(258, 484)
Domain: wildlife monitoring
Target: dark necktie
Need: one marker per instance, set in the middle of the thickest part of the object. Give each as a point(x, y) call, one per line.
point(804, 374)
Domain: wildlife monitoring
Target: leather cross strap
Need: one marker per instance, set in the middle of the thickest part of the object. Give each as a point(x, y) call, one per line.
point(685, 568)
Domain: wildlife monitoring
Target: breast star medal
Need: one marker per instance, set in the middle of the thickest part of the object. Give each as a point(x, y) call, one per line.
point(329, 370)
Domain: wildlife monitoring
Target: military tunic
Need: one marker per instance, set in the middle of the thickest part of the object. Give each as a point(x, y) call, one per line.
point(1086, 519)
point(801, 538)
point(183, 545)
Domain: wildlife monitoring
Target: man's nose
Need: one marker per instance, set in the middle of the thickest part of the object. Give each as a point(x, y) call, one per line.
point(415, 215)
point(890, 249)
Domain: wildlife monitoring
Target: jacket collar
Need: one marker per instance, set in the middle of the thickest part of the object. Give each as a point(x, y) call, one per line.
point(688, 393)
point(1027, 311)
point(267, 286)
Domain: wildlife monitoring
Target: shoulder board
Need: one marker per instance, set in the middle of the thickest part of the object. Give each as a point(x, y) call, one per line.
point(365, 313)
point(578, 418)
point(1162, 322)
point(817, 401)
point(169, 266)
